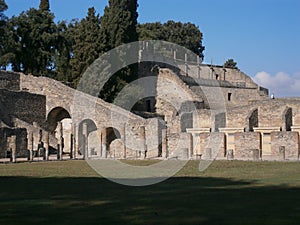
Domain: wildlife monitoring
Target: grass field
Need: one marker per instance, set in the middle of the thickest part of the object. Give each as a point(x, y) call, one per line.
point(228, 192)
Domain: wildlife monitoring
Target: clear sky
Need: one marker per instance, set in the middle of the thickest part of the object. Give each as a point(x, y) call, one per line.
point(262, 36)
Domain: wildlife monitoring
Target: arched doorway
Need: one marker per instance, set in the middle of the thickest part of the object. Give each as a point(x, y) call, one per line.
point(56, 115)
point(252, 120)
point(89, 143)
point(112, 134)
point(287, 119)
point(59, 125)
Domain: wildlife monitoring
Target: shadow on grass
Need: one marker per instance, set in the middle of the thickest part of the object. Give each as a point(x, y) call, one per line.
point(176, 201)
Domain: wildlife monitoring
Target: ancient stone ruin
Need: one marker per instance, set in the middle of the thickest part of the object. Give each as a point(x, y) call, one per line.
point(197, 111)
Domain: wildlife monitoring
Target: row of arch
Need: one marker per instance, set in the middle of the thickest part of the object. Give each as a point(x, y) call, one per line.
point(86, 140)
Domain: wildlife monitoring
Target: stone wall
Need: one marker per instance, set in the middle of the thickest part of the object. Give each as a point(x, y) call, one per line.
point(9, 81)
point(290, 142)
point(245, 144)
point(21, 141)
point(23, 105)
point(210, 145)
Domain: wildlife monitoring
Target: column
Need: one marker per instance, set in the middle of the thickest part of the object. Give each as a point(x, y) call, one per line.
point(46, 145)
point(60, 141)
point(175, 55)
point(199, 67)
point(104, 143)
point(282, 152)
point(75, 140)
point(13, 148)
point(164, 143)
point(124, 142)
point(30, 145)
point(85, 140)
point(186, 64)
point(143, 137)
point(191, 147)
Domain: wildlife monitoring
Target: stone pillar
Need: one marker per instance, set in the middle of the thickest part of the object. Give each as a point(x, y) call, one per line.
point(256, 154)
point(164, 143)
point(230, 155)
point(13, 140)
point(85, 140)
point(46, 145)
point(185, 153)
point(75, 140)
point(124, 142)
point(186, 64)
point(143, 138)
point(104, 143)
point(199, 67)
point(191, 147)
point(60, 142)
point(30, 145)
point(282, 152)
point(175, 55)
point(208, 153)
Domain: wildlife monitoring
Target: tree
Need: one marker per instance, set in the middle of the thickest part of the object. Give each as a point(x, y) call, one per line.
point(44, 5)
point(86, 44)
point(184, 34)
point(230, 63)
point(119, 23)
point(4, 34)
point(64, 51)
point(35, 39)
point(118, 26)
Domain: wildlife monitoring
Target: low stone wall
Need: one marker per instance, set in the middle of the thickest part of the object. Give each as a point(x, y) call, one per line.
point(9, 81)
point(246, 145)
point(6, 144)
point(23, 105)
point(290, 143)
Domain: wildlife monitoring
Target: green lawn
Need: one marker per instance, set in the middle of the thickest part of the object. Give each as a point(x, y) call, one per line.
point(228, 192)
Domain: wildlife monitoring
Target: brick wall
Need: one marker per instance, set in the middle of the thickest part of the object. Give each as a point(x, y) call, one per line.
point(245, 143)
point(290, 140)
point(9, 81)
point(25, 106)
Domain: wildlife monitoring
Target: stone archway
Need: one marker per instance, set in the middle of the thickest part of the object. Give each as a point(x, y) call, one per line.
point(112, 134)
point(89, 143)
point(252, 120)
point(56, 115)
point(287, 119)
point(59, 124)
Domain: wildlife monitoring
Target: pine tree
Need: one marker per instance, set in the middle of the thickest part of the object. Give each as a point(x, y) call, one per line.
point(118, 26)
point(119, 22)
point(86, 48)
point(44, 5)
point(35, 37)
point(4, 34)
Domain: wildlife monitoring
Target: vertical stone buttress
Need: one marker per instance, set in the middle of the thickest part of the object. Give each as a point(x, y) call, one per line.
point(85, 140)
point(164, 144)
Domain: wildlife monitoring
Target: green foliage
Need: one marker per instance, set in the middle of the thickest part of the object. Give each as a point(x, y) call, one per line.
point(63, 53)
point(118, 26)
point(86, 44)
point(119, 23)
point(184, 34)
point(35, 38)
point(4, 34)
point(230, 63)
point(44, 5)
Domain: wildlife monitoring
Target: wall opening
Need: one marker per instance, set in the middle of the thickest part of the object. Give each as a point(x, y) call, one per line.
point(88, 139)
point(229, 97)
point(55, 115)
point(288, 120)
point(253, 120)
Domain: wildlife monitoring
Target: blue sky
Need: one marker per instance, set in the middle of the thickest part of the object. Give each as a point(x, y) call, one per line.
point(263, 36)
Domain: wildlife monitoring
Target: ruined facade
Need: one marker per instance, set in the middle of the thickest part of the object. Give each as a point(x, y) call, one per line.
point(194, 111)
